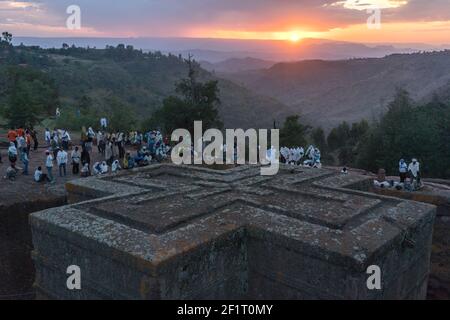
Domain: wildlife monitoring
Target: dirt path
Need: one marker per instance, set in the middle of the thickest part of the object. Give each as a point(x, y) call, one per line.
point(24, 187)
point(18, 199)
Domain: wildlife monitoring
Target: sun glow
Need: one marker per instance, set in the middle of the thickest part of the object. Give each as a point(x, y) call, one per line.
point(295, 37)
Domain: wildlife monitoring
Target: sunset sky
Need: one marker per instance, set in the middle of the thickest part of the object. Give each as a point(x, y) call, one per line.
point(426, 21)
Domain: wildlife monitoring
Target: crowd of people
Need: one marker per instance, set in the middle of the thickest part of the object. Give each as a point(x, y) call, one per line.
point(21, 142)
point(114, 153)
point(114, 150)
point(294, 156)
point(409, 175)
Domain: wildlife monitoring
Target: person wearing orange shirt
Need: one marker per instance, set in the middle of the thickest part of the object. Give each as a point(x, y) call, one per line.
point(12, 135)
point(20, 132)
point(28, 141)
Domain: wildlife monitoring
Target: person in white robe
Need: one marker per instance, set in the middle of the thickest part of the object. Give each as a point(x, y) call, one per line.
point(116, 166)
point(414, 171)
point(104, 168)
point(285, 152)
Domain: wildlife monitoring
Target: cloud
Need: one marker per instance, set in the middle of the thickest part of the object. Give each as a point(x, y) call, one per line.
point(269, 18)
point(368, 4)
point(17, 5)
point(420, 11)
point(23, 12)
point(38, 18)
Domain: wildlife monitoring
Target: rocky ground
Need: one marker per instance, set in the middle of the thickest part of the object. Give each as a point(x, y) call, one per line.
point(439, 283)
point(433, 190)
point(23, 186)
point(19, 198)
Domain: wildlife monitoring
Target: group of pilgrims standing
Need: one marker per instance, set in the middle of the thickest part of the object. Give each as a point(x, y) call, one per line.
point(294, 156)
point(411, 171)
point(150, 147)
point(111, 147)
point(20, 141)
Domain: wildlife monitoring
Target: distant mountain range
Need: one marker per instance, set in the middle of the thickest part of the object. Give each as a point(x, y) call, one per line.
point(237, 65)
point(262, 81)
point(217, 50)
point(328, 92)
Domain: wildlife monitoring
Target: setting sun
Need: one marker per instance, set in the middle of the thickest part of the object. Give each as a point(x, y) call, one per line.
point(294, 37)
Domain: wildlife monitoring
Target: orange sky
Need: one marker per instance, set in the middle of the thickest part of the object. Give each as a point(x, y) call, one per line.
point(437, 32)
point(406, 21)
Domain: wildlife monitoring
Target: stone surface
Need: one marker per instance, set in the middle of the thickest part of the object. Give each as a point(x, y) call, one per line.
point(176, 232)
point(439, 283)
point(437, 195)
point(16, 266)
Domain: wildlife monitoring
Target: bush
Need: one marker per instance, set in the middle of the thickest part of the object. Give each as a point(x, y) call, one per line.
point(71, 121)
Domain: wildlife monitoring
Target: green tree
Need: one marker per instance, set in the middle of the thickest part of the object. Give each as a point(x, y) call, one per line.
point(70, 120)
point(196, 101)
point(358, 131)
point(84, 104)
point(319, 140)
point(343, 141)
point(31, 96)
point(120, 115)
point(339, 136)
point(408, 131)
point(293, 133)
point(7, 37)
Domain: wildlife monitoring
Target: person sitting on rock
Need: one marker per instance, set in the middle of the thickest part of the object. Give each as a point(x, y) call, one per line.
point(381, 182)
point(100, 168)
point(11, 173)
point(161, 153)
point(317, 159)
point(140, 158)
point(128, 161)
point(314, 156)
point(116, 166)
point(104, 167)
point(97, 168)
point(39, 176)
point(85, 172)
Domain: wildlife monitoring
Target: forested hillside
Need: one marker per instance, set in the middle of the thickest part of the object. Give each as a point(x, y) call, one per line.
point(329, 92)
point(88, 78)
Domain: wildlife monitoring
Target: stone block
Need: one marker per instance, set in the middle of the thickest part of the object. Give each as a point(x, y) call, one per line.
point(185, 232)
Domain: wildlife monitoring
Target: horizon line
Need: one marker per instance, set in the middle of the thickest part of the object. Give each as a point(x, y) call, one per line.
point(229, 39)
